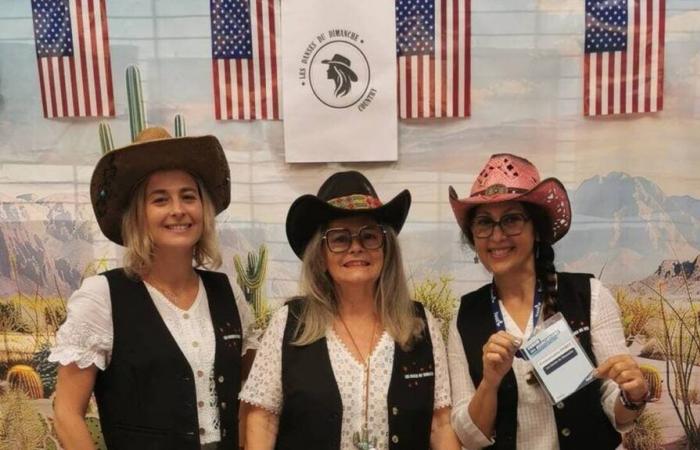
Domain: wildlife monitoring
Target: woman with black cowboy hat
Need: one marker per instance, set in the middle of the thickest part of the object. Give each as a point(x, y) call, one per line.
point(511, 219)
point(353, 363)
point(159, 341)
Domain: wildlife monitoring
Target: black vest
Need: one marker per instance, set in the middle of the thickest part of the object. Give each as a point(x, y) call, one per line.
point(312, 409)
point(146, 396)
point(581, 421)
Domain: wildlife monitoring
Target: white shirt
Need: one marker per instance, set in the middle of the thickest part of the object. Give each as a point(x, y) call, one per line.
point(536, 424)
point(264, 385)
point(86, 338)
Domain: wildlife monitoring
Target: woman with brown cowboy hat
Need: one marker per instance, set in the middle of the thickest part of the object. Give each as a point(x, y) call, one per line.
point(160, 340)
point(353, 363)
point(511, 219)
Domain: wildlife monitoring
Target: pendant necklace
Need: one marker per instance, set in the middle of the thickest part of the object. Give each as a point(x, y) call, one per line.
point(362, 439)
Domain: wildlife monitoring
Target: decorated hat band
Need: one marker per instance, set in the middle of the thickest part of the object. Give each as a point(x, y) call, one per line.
point(355, 201)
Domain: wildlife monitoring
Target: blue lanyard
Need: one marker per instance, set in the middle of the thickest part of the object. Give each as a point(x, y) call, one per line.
point(498, 315)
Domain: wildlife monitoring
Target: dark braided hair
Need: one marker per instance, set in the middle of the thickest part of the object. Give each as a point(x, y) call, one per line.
point(544, 258)
point(544, 254)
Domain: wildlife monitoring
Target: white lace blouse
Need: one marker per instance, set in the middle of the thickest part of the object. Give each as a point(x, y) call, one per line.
point(537, 427)
point(264, 385)
point(86, 338)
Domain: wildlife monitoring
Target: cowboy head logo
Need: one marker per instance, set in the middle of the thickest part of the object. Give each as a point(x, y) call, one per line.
point(340, 72)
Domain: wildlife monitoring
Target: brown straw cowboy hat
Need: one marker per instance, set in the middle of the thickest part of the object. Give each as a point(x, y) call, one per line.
point(508, 177)
point(119, 171)
point(343, 194)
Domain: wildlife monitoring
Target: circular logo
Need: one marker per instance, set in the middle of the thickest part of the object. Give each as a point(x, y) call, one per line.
point(339, 74)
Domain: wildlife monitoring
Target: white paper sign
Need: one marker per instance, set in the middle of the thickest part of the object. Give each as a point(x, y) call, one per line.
point(339, 80)
point(561, 365)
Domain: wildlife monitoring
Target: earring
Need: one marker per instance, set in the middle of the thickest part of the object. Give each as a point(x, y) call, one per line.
point(476, 259)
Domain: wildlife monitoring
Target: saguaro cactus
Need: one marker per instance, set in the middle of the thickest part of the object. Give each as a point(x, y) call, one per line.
point(25, 378)
point(251, 279)
point(137, 112)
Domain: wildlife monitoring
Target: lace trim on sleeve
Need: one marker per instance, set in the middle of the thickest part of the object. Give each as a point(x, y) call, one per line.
point(264, 385)
point(80, 344)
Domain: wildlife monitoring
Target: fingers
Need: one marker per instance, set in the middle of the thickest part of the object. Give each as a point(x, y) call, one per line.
point(614, 365)
point(624, 371)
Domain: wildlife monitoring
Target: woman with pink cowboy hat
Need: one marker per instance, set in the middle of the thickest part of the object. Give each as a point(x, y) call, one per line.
point(511, 219)
point(160, 341)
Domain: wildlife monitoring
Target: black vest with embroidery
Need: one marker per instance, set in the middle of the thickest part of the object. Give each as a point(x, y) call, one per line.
point(580, 419)
point(312, 410)
point(146, 396)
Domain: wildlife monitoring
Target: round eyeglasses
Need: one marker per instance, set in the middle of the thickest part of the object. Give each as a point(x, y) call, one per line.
point(511, 225)
point(339, 240)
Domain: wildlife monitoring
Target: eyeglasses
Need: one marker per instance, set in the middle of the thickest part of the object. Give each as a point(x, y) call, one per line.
point(339, 240)
point(511, 225)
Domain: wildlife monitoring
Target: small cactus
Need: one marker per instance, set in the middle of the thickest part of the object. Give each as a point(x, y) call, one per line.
point(26, 379)
point(180, 128)
point(93, 426)
point(653, 379)
point(47, 370)
point(21, 425)
point(251, 279)
point(134, 93)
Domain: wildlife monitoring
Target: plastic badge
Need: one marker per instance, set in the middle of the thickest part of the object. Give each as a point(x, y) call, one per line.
point(561, 365)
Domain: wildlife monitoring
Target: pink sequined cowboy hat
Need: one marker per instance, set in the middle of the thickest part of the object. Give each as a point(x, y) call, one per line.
point(343, 194)
point(508, 177)
point(119, 171)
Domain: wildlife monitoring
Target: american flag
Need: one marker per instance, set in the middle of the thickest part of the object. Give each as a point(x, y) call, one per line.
point(624, 57)
point(244, 59)
point(433, 41)
point(72, 49)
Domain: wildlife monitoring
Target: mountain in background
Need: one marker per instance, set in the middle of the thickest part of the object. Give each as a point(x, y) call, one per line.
point(623, 226)
point(673, 278)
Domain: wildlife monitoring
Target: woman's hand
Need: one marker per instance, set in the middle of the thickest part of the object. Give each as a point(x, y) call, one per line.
point(624, 371)
point(498, 353)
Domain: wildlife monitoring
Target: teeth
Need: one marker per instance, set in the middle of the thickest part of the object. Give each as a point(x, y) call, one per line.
point(177, 227)
point(356, 263)
point(500, 252)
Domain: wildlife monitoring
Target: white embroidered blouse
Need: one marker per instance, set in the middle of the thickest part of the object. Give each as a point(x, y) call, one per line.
point(264, 385)
point(536, 424)
point(86, 338)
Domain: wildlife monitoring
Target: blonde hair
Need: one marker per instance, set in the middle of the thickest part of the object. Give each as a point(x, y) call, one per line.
point(392, 298)
point(138, 256)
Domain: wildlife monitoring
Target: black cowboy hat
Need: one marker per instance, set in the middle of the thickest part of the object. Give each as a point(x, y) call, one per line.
point(119, 171)
point(343, 194)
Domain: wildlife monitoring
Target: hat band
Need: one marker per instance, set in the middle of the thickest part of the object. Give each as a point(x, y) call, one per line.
point(355, 201)
point(498, 189)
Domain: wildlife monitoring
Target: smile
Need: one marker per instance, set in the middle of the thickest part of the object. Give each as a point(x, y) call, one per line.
point(500, 252)
point(179, 228)
point(356, 264)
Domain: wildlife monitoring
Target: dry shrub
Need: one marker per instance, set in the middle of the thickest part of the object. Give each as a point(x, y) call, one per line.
point(646, 433)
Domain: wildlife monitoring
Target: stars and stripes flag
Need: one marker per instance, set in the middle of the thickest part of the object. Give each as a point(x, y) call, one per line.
point(433, 40)
point(72, 49)
point(624, 57)
point(244, 59)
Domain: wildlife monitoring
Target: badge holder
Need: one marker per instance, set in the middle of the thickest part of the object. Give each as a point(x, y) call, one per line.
point(560, 364)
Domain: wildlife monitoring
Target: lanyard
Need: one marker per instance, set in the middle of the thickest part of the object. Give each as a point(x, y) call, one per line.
point(498, 315)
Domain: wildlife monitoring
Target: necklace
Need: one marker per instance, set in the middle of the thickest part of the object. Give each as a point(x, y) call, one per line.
point(176, 298)
point(361, 439)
